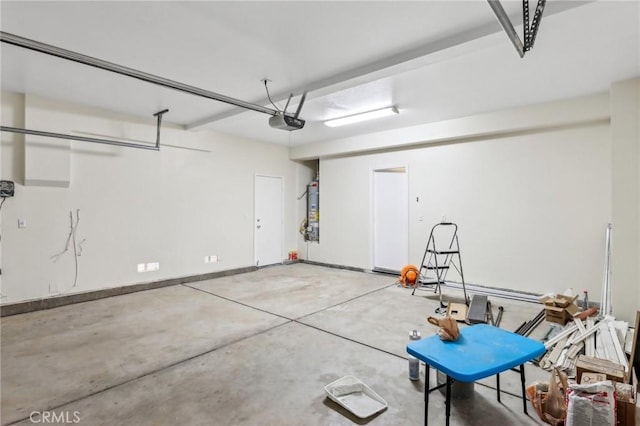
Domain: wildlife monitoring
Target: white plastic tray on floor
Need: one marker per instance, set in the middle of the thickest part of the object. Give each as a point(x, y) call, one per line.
point(355, 396)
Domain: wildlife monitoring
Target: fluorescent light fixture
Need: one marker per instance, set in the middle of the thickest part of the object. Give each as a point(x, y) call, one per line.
point(363, 116)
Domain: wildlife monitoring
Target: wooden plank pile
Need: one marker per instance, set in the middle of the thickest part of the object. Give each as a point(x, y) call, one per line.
point(601, 338)
point(594, 350)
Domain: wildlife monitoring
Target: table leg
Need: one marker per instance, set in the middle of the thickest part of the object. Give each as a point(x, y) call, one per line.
point(448, 401)
point(426, 395)
point(498, 385)
point(524, 395)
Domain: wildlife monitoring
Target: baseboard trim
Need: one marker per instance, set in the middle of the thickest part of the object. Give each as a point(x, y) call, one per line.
point(69, 299)
point(489, 291)
point(331, 265)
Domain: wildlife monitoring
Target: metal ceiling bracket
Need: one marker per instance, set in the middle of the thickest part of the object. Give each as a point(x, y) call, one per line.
point(530, 31)
point(159, 115)
point(506, 24)
point(155, 147)
point(535, 24)
point(525, 20)
point(129, 72)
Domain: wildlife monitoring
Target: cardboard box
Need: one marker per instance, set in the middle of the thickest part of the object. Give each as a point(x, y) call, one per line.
point(587, 364)
point(559, 308)
point(559, 300)
point(588, 378)
point(560, 315)
point(626, 410)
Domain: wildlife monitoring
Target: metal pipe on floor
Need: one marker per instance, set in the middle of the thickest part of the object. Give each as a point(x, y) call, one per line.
point(528, 326)
point(534, 324)
point(517, 330)
point(499, 317)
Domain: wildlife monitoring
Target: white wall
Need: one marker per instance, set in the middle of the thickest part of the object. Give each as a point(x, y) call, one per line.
point(531, 209)
point(625, 243)
point(532, 189)
point(175, 206)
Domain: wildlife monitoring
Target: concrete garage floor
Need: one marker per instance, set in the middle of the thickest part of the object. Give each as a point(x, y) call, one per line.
point(250, 349)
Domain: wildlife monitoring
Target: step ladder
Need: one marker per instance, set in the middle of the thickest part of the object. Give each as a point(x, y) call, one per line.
point(441, 254)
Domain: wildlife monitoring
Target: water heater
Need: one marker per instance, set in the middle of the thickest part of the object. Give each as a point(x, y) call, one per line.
point(313, 212)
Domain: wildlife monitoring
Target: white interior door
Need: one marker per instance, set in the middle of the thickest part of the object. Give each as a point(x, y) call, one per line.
point(268, 220)
point(390, 219)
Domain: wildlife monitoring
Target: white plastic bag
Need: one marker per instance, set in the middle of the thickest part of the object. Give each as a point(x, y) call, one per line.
point(592, 404)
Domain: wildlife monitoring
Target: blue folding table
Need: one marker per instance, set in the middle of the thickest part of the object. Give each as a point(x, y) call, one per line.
point(481, 351)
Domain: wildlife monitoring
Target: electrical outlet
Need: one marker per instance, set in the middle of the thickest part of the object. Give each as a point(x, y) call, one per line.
point(214, 258)
point(142, 267)
point(153, 266)
point(22, 223)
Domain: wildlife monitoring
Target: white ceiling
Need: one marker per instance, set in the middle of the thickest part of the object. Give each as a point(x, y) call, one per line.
point(435, 60)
